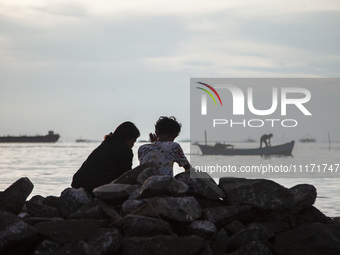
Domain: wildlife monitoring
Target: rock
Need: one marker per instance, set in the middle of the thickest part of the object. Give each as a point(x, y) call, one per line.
point(133, 206)
point(66, 231)
point(47, 247)
point(72, 199)
point(38, 199)
point(307, 216)
point(183, 209)
point(269, 228)
point(261, 193)
point(16, 236)
point(14, 197)
point(202, 228)
point(162, 185)
point(52, 201)
point(40, 210)
point(253, 248)
point(89, 211)
point(224, 214)
point(304, 196)
point(145, 174)
point(165, 245)
point(137, 225)
point(219, 242)
point(313, 239)
point(200, 184)
point(80, 247)
point(245, 237)
point(106, 241)
point(114, 191)
point(130, 177)
point(234, 227)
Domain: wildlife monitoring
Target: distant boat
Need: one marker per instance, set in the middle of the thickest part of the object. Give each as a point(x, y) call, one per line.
point(85, 141)
point(228, 149)
point(51, 137)
point(307, 140)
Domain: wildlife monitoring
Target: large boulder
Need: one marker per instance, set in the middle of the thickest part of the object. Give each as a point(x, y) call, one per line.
point(14, 197)
point(260, 193)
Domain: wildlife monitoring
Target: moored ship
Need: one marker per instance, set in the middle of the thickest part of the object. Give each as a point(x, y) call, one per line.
point(51, 137)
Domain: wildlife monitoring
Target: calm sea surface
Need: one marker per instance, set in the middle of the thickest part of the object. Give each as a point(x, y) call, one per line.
point(50, 167)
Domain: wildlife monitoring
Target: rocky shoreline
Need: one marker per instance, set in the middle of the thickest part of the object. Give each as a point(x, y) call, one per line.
point(145, 213)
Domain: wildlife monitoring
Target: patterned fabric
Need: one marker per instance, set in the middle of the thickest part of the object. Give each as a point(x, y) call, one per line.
point(164, 154)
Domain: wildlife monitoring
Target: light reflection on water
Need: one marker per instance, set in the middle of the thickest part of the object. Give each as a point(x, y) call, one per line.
point(50, 167)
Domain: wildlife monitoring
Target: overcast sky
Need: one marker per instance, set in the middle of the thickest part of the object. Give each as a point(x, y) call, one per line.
point(82, 67)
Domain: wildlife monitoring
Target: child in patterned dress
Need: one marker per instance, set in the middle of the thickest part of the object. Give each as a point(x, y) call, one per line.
point(162, 148)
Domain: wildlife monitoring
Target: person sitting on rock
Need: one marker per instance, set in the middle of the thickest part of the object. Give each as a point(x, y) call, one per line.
point(109, 160)
point(162, 149)
point(266, 140)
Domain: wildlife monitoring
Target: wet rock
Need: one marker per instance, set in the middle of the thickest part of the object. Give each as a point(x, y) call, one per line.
point(200, 184)
point(69, 230)
point(165, 245)
point(13, 198)
point(80, 247)
point(313, 239)
point(16, 236)
point(130, 177)
point(72, 199)
point(47, 247)
point(162, 185)
point(40, 210)
point(253, 248)
point(261, 193)
point(106, 241)
point(202, 228)
point(137, 225)
point(114, 191)
point(183, 209)
point(145, 174)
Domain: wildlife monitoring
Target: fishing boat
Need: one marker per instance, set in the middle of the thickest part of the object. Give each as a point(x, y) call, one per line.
point(228, 149)
point(51, 137)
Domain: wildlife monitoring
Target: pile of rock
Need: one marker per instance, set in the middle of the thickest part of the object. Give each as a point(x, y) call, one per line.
point(145, 213)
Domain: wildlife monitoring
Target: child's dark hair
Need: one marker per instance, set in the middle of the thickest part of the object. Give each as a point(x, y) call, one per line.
point(126, 130)
point(168, 126)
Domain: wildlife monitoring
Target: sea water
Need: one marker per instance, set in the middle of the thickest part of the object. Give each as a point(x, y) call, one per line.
point(50, 167)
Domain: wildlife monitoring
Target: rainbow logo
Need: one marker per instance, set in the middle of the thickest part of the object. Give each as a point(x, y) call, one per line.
point(209, 93)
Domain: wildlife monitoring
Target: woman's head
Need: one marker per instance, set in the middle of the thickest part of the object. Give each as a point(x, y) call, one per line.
point(127, 132)
point(168, 126)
